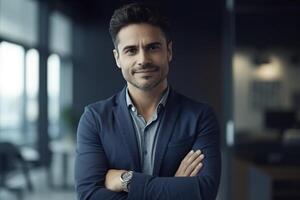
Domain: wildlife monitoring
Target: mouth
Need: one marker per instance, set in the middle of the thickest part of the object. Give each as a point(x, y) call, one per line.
point(146, 71)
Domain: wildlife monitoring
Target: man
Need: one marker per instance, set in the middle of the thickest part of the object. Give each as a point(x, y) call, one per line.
point(147, 141)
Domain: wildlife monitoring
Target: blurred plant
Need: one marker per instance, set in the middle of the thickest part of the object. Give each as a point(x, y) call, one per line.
point(69, 119)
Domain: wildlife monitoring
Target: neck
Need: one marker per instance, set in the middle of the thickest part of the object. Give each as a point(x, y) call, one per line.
point(146, 101)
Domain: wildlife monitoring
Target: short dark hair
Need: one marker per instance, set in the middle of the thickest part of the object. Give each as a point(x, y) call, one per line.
point(136, 13)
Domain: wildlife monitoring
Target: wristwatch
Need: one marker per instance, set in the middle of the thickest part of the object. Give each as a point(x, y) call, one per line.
point(126, 179)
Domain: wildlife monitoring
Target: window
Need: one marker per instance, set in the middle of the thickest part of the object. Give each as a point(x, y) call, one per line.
point(18, 21)
point(53, 95)
point(32, 91)
point(19, 73)
point(60, 76)
point(59, 96)
point(18, 93)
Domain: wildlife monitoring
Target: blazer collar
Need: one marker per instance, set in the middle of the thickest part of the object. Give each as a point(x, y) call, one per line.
point(166, 129)
point(126, 128)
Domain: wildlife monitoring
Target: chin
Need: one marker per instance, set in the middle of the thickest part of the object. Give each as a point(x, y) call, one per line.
point(149, 86)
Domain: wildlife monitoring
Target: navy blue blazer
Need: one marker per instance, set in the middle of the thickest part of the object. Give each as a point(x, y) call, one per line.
point(106, 140)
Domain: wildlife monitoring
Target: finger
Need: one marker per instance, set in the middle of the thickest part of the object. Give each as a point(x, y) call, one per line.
point(197, 169)
point(183, 165)
point(189, 160)
point(186, 162)
point(193, 157)
point(193, 165)
point(188, 156)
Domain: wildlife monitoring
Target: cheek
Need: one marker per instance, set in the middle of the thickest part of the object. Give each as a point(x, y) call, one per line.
point(126, 60)
point(126, 65)
point(166, 69)
point(164, 62)
point(126, 72)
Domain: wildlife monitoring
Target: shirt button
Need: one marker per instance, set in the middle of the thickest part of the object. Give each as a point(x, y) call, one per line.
point(145, 152)
point(133, 109)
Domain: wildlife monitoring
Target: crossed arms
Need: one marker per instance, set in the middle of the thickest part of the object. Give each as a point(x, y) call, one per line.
point(196, 177)
point(189, 167)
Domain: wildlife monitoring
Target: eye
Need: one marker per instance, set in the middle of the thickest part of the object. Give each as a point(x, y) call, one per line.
point(154, 47)
point(131, 51)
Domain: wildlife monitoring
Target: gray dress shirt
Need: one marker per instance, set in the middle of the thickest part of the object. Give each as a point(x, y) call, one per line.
point(147, 132)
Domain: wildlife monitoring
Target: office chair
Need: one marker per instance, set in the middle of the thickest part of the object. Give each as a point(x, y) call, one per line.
point(11, 162)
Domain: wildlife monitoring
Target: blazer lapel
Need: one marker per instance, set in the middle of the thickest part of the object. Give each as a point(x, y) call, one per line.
point(166, 130)
point(125, 126)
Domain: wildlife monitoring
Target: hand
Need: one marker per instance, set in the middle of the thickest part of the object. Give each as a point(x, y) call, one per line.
point(112, 180)
point(191, 164)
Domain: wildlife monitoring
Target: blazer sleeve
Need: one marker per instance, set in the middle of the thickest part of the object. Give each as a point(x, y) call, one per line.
point(91, 162)
point(204, 186)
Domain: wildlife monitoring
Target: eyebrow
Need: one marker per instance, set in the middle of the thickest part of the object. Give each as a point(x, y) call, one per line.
point(147, 45)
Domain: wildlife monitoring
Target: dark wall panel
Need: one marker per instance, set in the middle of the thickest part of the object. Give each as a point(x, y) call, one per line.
point(95, 73)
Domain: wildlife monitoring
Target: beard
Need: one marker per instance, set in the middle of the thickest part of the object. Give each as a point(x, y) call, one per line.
point(150, 81)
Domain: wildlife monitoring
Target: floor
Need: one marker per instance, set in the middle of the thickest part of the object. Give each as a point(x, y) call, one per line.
point(62, 184)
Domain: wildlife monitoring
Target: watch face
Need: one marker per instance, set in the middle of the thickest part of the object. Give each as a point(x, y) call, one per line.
point(126, 176)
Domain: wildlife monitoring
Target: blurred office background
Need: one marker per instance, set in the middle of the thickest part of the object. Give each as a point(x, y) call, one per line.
point(242, 56)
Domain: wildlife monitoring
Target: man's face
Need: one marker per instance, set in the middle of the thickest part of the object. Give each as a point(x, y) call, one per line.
point(143, 55)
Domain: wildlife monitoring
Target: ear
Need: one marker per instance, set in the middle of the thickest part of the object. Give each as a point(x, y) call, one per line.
point(170, 51)
point(116, 55)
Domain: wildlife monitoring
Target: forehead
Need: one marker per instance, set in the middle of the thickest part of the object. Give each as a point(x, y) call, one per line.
point(135, 34)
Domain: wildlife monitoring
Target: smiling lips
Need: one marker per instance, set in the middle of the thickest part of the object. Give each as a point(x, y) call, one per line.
point(146, 70)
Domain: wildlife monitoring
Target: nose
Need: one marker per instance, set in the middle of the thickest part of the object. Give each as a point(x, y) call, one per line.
point(143, 58)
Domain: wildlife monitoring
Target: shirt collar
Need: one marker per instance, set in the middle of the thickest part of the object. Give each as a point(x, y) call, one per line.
point(161, 103)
